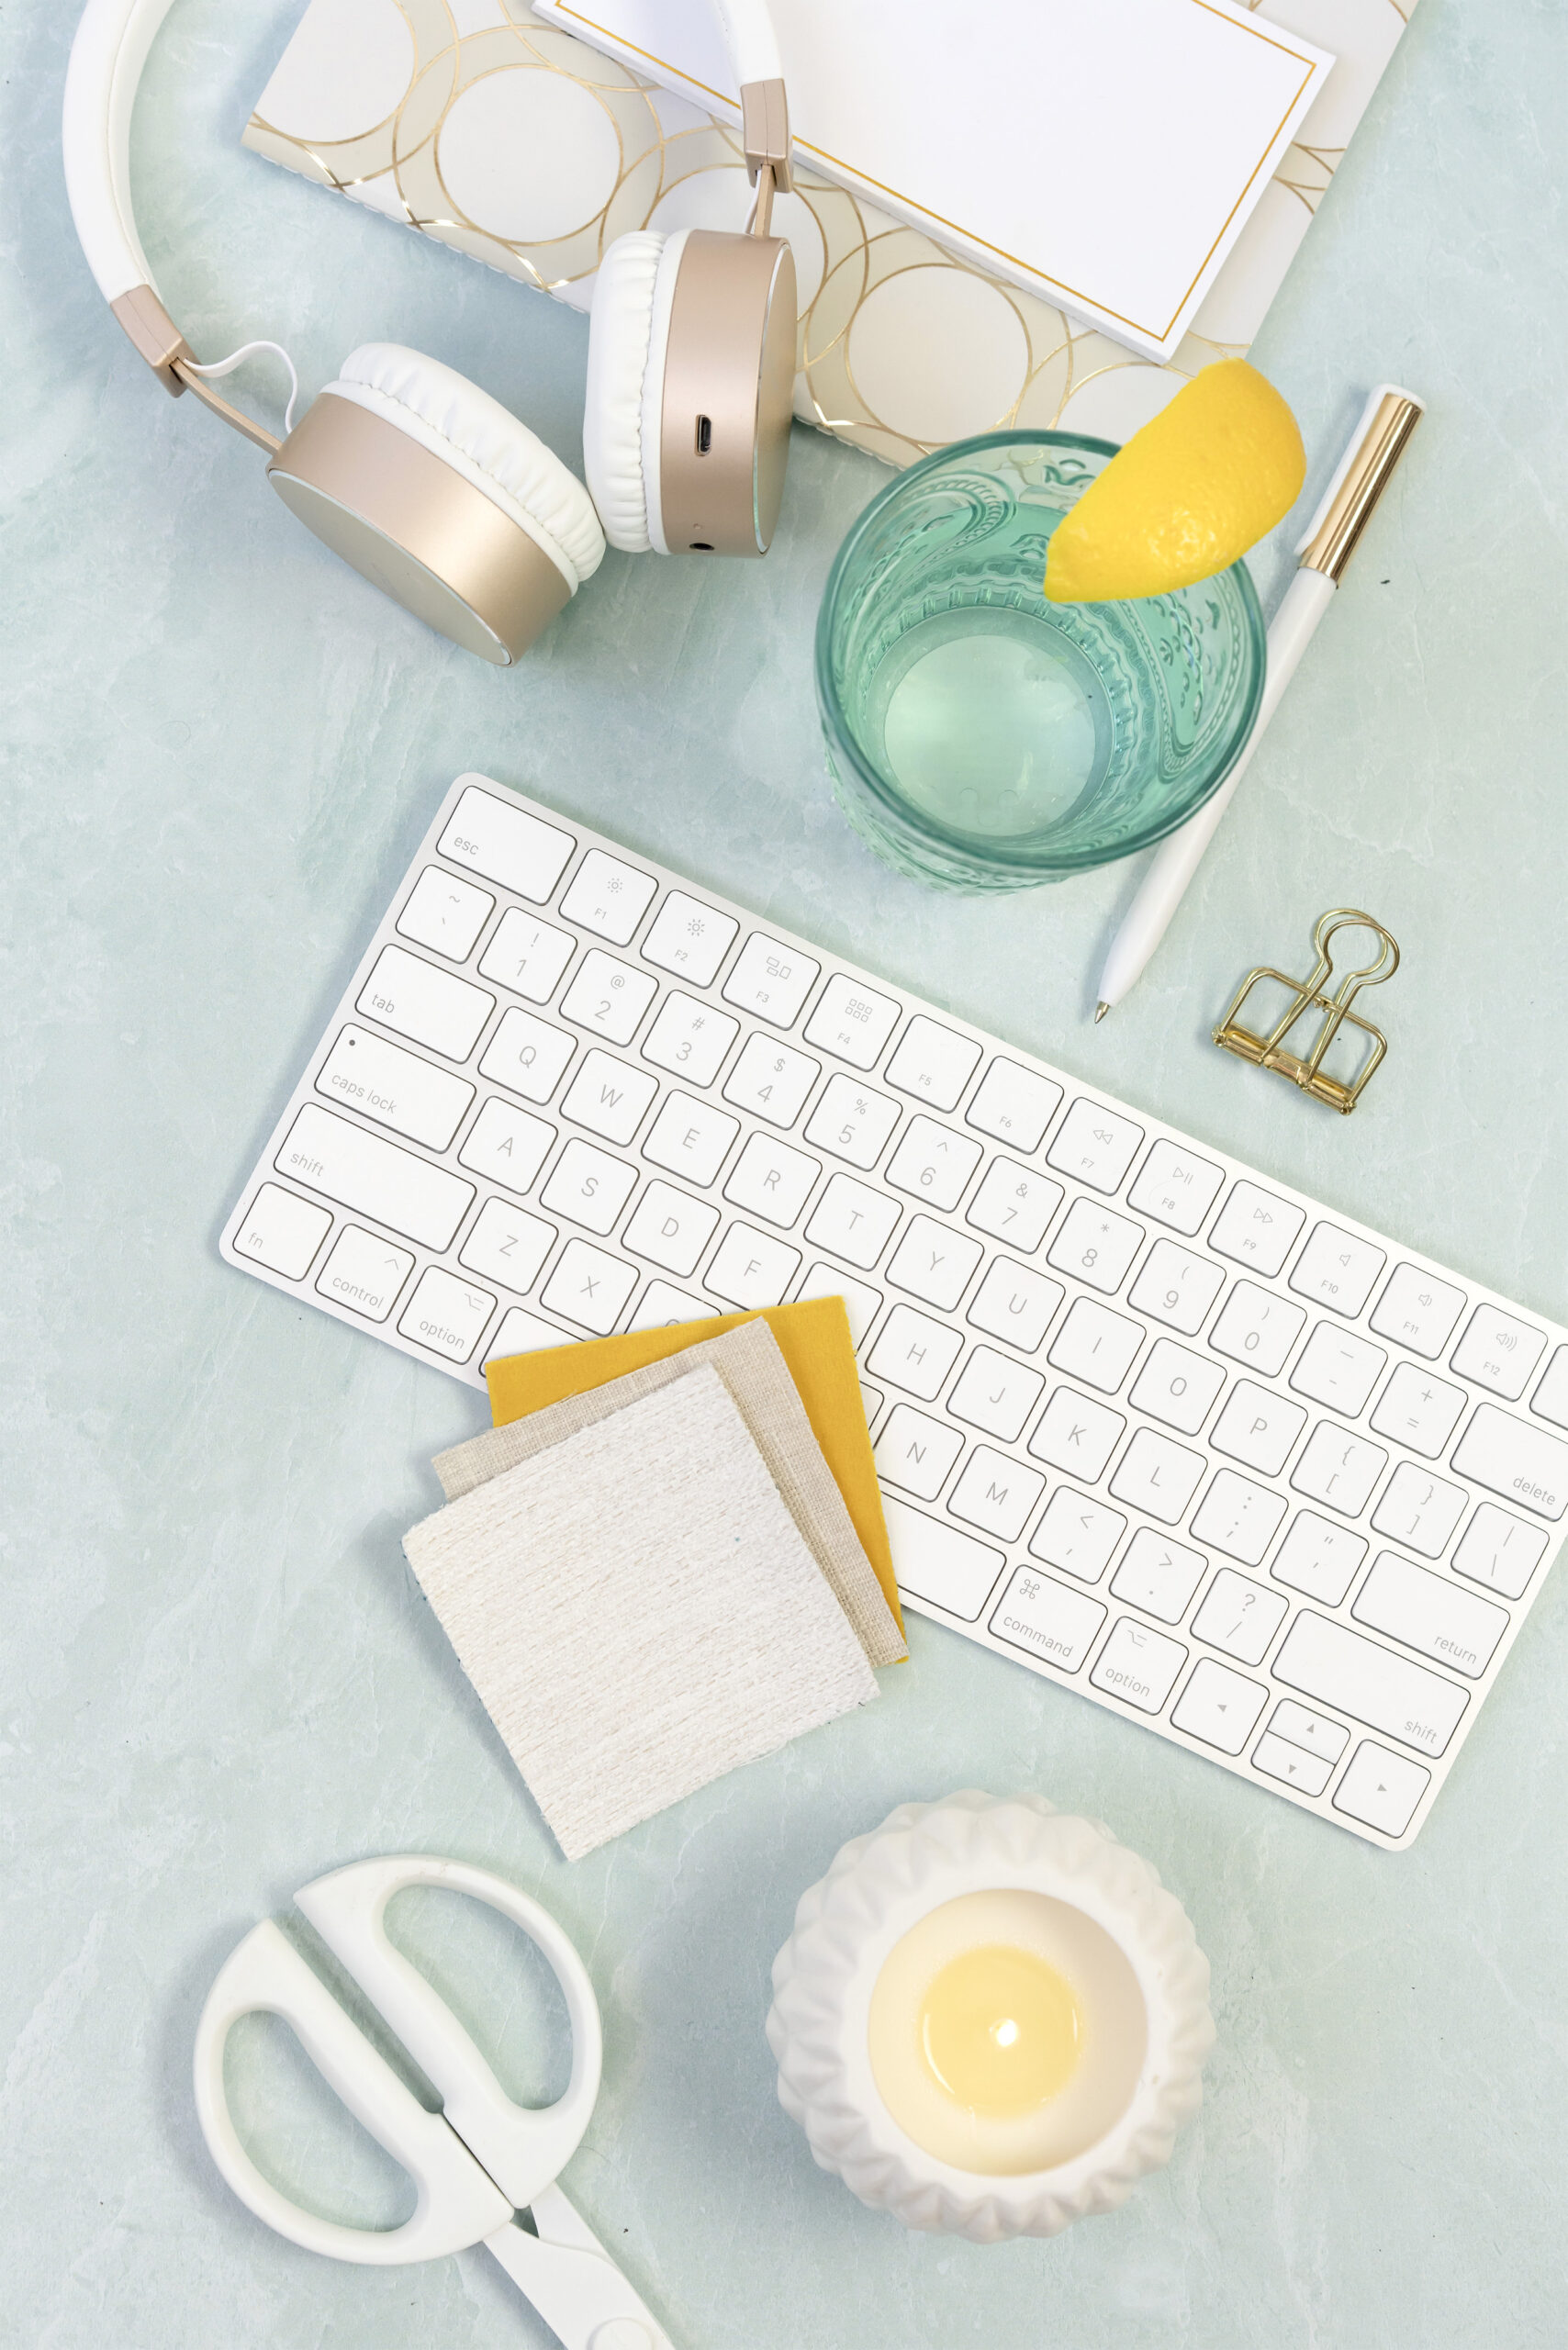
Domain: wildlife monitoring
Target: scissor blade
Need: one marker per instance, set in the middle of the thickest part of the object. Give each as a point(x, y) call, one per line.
point(573, 2283)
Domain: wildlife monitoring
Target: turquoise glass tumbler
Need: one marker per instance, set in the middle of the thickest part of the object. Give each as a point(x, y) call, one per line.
point(981, 738)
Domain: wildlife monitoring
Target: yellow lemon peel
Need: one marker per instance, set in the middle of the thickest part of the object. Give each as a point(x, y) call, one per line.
point(1186, 497)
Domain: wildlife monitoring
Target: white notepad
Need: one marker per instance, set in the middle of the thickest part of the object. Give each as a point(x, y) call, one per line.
point(1104, 154)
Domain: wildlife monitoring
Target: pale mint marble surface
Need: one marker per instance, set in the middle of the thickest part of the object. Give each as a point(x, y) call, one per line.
point(217, 1681)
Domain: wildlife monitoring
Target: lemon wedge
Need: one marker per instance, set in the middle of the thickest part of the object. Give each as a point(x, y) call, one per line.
point(1186, 497)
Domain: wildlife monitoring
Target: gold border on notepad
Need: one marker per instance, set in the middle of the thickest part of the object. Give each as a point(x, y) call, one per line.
point(1159, 334)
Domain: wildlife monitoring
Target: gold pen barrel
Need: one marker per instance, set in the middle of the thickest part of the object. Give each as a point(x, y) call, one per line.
point(1348, 510)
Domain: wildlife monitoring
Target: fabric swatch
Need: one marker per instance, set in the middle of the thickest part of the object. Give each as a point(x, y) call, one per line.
point(638, 1611)
point(752, 1368)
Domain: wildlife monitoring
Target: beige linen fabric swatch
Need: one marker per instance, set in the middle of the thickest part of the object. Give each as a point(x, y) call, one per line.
point(754, 1371)
point(638, 1611)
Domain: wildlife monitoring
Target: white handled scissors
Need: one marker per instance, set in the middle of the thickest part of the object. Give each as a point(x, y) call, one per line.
point(479, 2162)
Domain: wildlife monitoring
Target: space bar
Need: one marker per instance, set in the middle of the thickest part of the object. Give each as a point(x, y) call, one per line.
point(330, 1155)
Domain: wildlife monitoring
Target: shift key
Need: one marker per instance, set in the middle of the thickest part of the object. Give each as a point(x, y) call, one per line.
point(1361, 1678)
point(327, 1153)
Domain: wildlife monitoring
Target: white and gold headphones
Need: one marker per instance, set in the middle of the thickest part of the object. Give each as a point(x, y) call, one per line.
point(430, 488)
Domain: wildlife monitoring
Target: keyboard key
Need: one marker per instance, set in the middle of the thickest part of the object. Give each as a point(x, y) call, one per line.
point(1257, 1427)
point(691, 1137)
point(1370, 1683)
point(995, 1393)
point(1159, 1576)
point(1498, 1352)
point(1427, 1612)
point(871, 1399)
point(527, 1056)
point(1256, 1229)
point(771, 1080)
point(527, 955)
point(1138, 1665)
point(860, 1301)
point(1220, 1707)
point(689, 939)
point(1014, 1105)
point(1078, 1534)
point(932, 1063)
point(446, 1315)
point(1380, 1789)
point(1158, 1476)
point(394, 1088)
point(507, 1144)
point(1320, 1559)
point(365, 1273)
point(662, 1305)
point(853, 1122)
point(1258, 1327)
point(609, 1098)
point(1338, 1270)
point(853, 1020)
point(609, 996)
point(934, 1262)
point(1177, 1387)
point(1239, 1616)
point(752, 1269)
point(1340, 1369)
point(1176, 1287)
point(933, 1163)
point(770, 980)
point(1238, 1517)
point(1551, 1398)
point(589, 1186)
point(1094, 1145)
point(1419, 1510)
point(996, 1493)
point(431, 1007)
point(1524, 1464)
point(1095, 1345)
point(1096, 1246)
point(506, 845)
point(1077, 1435)
point(690, 1038)
point(1046, 1620)
point(1015, 1303)
point(1420, 1410)
point(937, 1563)
point(521, 1333)
point(853, 1221)
point(1500, 1550)
point(281, 1231)
point(508, 1244)
point(1015, 1204)
point(1280, 1761)
point(1418, 1311)
point(1338, 1469)
point(773, 1179)
point(327, 1153)
point(917, 1453)
point(1310, 1733)
point(588, 1287)
point(609, 897)
point(1175, 1187)
point(671, 1228)
point(444, 914)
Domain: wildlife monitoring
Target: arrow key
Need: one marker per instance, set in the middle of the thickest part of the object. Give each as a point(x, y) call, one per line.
point(1380, 1789)
point(1308, 1774)
point(1219, 1706)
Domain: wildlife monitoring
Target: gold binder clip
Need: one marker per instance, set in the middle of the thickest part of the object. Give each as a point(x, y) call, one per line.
point(1270, 1052)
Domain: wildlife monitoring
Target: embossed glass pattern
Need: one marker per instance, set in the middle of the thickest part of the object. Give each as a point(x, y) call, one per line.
point(979, 737)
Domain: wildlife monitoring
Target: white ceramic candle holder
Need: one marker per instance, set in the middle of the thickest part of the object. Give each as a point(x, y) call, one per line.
point(1115, 1923)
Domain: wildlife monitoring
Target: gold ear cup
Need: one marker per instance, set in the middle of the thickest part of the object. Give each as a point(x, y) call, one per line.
point(417, 530)
point(729, 377)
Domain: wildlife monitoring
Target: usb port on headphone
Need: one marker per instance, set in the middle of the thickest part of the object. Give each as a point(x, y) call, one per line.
point(704, 435)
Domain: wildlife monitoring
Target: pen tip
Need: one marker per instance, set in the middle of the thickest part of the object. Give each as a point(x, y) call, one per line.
point(1100, 1011)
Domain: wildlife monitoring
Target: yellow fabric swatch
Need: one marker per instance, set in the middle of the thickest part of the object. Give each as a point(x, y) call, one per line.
point(813, 1338)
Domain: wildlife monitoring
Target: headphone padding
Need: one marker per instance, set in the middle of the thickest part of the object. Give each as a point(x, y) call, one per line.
point(620, 335)
point(485, 443)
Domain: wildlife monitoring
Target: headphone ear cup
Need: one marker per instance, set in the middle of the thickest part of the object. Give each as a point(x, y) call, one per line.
point(628, 333)
point(442, 498)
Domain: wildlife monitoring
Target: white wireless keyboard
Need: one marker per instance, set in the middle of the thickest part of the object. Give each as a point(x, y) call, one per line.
point(1232, 1467)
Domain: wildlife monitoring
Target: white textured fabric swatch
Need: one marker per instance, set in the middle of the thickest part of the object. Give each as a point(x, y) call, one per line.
point(638, 1611)
point(753, 1370)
